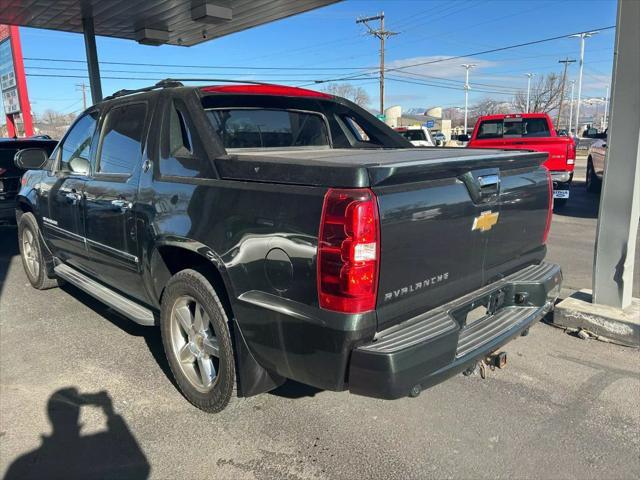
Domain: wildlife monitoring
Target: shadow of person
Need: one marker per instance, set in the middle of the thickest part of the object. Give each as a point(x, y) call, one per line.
point(113, 453)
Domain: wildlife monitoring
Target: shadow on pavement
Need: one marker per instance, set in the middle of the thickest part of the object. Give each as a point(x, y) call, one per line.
point(66, 454)
point(581, 204)
point(8, 249)
point(293, 389)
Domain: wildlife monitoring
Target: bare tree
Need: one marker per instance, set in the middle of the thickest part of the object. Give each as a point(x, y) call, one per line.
point(489, 106)
point(357, 95)
point(544, 97)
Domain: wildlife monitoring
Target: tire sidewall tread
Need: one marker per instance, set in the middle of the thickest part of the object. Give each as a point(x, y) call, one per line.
point(42, 282)
point(192, 283)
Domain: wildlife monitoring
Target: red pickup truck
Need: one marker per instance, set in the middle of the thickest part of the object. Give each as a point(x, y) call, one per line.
point(530, 131)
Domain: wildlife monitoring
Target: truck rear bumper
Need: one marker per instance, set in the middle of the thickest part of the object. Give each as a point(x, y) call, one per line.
point(427, 349)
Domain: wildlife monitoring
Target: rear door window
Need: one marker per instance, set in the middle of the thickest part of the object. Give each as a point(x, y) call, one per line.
point(269, 128)
point(120, 149)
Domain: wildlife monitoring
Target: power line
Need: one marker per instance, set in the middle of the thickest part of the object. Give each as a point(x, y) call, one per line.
point(473, 54)
point(162, 72)
point(155, 79)
point(219, 67)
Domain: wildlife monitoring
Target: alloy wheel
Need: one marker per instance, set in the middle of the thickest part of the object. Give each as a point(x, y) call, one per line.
point(30, 253)
point(194, 343)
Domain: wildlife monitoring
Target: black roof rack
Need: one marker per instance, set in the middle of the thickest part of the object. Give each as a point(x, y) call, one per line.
point(172, 83)
point(166, 83)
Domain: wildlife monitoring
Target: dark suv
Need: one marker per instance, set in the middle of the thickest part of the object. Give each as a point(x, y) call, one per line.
point(275, 232)
point(10, 174)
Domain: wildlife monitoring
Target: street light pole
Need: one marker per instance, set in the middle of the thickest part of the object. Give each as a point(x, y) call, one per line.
point(467, 67)
point(573, 84)
point(529, 75)
point(582, 36)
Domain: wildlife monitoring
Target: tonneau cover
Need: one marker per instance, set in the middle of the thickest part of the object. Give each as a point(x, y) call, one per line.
point(364, 167)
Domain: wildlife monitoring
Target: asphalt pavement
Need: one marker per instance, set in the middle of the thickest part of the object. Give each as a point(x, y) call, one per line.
point(84, 390)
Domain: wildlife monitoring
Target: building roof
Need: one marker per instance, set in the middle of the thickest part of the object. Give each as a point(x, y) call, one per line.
point(174, 22)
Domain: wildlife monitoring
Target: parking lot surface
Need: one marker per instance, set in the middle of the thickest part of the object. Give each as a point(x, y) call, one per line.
point(563, 408)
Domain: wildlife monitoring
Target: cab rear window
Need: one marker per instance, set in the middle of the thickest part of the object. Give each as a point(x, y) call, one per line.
point(269, 128)
point(513, 128)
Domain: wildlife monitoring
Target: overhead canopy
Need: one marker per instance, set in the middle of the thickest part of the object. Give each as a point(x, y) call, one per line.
point(154, 22)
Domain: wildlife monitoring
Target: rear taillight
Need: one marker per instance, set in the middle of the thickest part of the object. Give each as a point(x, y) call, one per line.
point(547, 227)
point(571, 153)
point(2, 170)
point(349, 251)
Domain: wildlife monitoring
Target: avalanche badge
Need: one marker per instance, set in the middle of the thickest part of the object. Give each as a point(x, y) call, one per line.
point(485, 221)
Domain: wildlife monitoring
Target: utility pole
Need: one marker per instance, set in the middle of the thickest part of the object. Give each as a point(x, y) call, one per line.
point(573, 84)
point(582, 37)
point(566, 62)
point(382, 35)
point(606, 108)
point(529, 75)
point(467, 67)
point(83, 88)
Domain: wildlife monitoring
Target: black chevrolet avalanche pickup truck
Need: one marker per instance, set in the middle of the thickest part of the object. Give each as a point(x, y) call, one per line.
point(278, 233)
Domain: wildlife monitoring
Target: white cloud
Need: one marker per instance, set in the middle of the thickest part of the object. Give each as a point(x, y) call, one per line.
point(444, 65)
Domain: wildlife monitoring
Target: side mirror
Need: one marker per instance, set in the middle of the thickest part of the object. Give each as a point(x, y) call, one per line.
point(31, 158)
point(79, 165)
point(463, 138)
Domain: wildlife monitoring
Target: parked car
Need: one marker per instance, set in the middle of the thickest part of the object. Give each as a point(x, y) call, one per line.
point(439, 138)
point(530, 131)
point(596, 156)
point(275, 232)
point(10, 174)
point(417, 135)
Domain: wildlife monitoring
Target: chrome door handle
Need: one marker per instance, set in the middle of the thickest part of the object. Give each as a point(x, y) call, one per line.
point(122, 204)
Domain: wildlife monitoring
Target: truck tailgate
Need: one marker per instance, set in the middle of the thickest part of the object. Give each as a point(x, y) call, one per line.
point(443, 234)
point(557, 148)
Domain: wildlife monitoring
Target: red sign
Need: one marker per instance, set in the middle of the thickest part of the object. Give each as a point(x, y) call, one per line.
point(13, 82)
point(5, 31)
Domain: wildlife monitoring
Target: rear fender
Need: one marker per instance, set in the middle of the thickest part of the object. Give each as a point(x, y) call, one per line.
point(252, 377)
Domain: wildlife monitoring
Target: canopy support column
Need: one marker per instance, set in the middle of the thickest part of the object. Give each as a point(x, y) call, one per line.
point(620, 199)
point(92, 59)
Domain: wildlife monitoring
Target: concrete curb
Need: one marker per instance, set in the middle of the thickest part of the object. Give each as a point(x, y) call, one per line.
point(578, 312)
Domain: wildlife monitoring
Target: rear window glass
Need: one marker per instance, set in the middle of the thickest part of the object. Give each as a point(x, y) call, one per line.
point(269, 128)
point(413, 135)
point(513, 128)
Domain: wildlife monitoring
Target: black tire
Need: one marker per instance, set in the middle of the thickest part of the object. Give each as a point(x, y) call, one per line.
point(593, 183)
point(33, 254)
point(192, 284)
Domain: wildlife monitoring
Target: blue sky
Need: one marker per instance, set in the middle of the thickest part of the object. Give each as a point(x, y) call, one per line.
point(329, 37)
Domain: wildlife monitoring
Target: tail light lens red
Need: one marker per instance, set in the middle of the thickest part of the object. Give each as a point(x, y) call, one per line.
point(2, 170)
point(571, 153)
point(547, 227)
point(349, 251)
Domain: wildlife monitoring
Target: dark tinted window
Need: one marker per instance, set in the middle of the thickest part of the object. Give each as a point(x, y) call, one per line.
point(121, 145)
point(514, 128)
point(181, 152)
point(268, 128)
point(414, 135)
point(76, 147)
point(490, 129)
